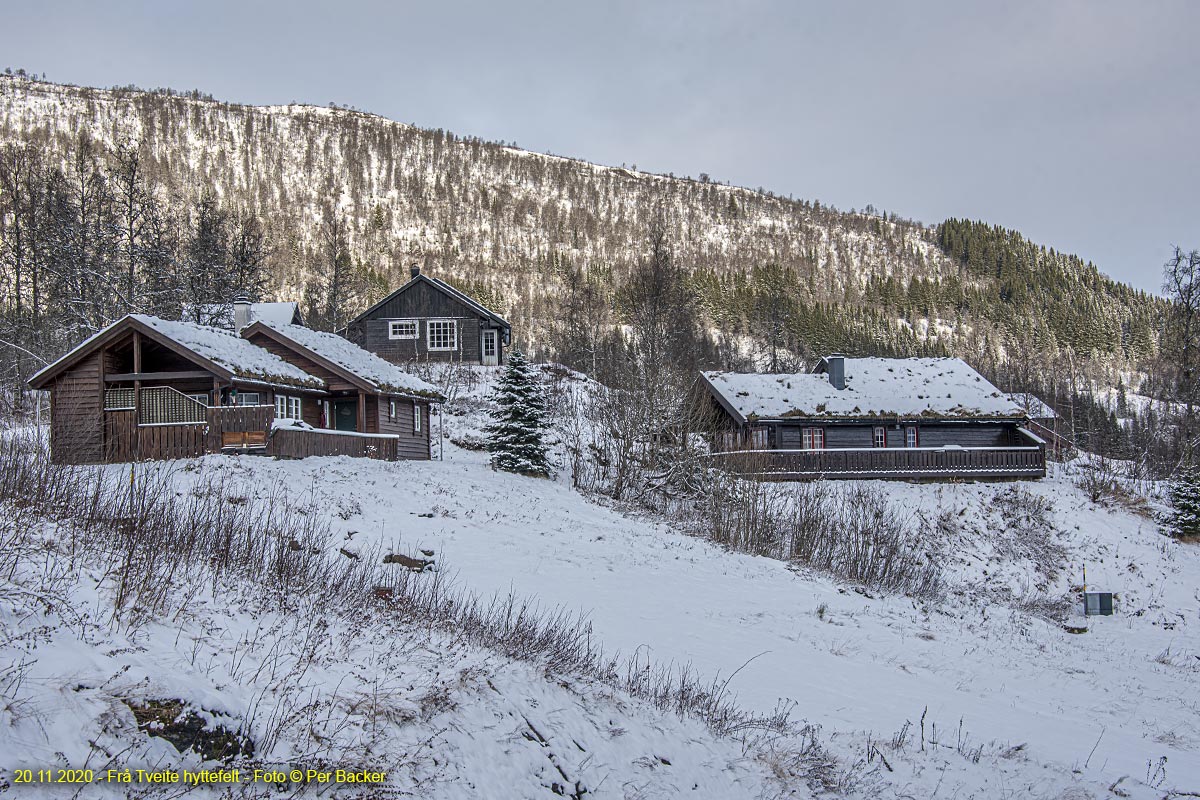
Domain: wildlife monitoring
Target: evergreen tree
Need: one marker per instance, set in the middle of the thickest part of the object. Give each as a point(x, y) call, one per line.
point(1184, 518)
point(515, 438)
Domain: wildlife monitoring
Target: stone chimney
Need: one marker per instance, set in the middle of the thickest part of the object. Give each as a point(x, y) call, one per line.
point(414, 270)
point(241, 311)
point(836, 366)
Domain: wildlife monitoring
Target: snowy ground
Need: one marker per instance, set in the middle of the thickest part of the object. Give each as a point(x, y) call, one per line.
point(1037, 698)
point(1013, 705)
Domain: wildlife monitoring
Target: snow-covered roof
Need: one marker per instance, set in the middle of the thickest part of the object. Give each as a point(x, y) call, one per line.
point(382, 374)
point(221, 314)
point(221, 347)
point(234, 353)
point(1034, 406)
point(875, 387)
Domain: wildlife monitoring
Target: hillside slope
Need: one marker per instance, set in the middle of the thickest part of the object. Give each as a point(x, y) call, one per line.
point(515, 225)
point(984, 694)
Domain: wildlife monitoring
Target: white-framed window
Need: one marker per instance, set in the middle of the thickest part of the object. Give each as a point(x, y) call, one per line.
point(391, 409)
point(403, 329)
point(416, 418)
point(911, 438)
point(287, 407)
point(728, 440)
point(249, 399)
point(443, 334)
point(879, 436)
point(812, 438)
point(759, 439)
point(200, 397)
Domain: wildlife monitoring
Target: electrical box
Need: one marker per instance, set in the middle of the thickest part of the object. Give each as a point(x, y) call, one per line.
point(1098, 604)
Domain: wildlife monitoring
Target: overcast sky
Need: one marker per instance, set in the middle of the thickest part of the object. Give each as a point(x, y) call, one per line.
point(1077, 123)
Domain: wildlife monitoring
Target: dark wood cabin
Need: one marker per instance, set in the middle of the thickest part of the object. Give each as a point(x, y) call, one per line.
point(427, 319)
point(147, 388)
point(872, 418)
point(365, 393)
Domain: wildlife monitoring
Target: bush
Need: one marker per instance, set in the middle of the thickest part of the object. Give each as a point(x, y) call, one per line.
point(850, 532)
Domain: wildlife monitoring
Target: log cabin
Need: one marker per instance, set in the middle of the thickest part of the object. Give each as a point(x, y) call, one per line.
point(427, 319)
point(149, 388)
point(908, 418)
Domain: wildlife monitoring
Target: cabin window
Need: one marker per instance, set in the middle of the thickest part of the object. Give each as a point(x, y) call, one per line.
point(759, 439)
point(249, 399)
point(391, 409)
point(287, 407)
point(812, 438)
point(911, 439)
point(728, 440)
point(416, 418)
point(880, 436)
point(201, 398)
point(443, 334)
point(403, 329)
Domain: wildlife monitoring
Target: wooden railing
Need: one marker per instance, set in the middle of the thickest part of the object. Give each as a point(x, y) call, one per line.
point(229, 429)
point(892, 462)
point(238, 427)
point(301, 443)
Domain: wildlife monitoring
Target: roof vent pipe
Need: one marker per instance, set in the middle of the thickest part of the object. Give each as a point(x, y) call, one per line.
point(836, 365)
point(414, 270)
point(241, 311)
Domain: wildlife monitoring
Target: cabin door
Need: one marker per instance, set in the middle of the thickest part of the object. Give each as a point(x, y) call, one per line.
point(491, 349)
point(345, 415)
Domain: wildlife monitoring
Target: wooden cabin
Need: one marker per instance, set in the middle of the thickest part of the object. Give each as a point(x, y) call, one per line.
point(365, 393)
point(148, 388)
point(872, 418)
point(427, 319)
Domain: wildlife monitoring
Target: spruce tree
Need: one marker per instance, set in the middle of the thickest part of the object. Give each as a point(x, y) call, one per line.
point(1184, 518)
point(516, 437)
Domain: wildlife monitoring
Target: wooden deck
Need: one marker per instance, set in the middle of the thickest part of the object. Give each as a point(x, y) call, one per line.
point(126, 440)
point(231, 429)
point(895, 463)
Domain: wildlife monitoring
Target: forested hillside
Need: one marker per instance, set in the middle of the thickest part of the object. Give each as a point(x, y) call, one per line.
point(125, 199)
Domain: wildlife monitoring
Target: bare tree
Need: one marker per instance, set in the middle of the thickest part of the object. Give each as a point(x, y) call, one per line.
point(1181, 345)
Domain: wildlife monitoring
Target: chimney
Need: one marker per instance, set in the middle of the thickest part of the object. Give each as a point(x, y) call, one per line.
point(836, 365)
point(414, 270)
point(241, 311)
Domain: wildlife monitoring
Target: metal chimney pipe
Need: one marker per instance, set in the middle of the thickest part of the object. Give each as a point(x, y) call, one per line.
point(241, 311)
point(414, 270)
point(836, 365)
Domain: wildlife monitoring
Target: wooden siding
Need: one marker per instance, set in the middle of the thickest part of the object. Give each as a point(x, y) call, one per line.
point(1013, 462)
point(787, 436)
point(76, 414)
point(411, 444)
point(423, 302)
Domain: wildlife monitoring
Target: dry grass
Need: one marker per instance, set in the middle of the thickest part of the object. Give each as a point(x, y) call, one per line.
point(155, 546)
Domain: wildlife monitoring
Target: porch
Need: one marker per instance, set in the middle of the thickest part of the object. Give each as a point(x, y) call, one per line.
point(900, 463)
point(167, 424)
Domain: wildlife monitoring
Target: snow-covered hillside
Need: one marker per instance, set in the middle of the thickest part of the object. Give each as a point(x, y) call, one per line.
point(473, 209)
point(1000, 689)
point(1018, 701)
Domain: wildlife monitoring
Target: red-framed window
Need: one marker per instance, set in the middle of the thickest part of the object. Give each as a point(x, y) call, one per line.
point(812, 438)
point(879, 436)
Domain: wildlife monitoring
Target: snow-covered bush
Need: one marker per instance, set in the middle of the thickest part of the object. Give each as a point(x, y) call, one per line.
point(850, 532)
